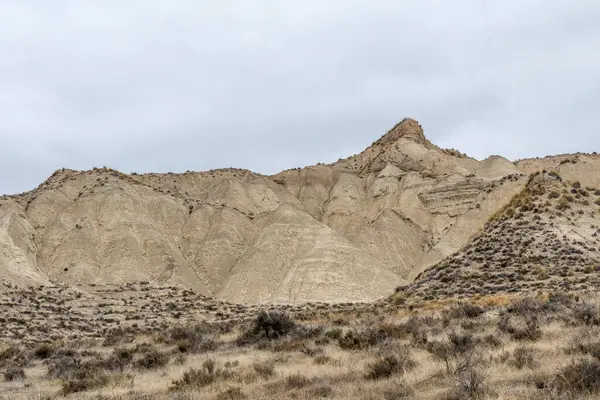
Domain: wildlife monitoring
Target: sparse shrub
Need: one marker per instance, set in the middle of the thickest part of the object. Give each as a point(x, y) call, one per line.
point(194, 339)
point(586, 343)
point(296, 381)
point(580, 377)
point(84, 376)
point(394, 364)
point(321, 391)
point(398, 392)
point(558, 299)
point(531, 331)
point(554, 194)
point(524, 306)
point(268, 325)
point(524, 357)
point(153, 359)
point(264, 369)
point(466, 310)
point(44, 351)
point(450, 351)
point(322, 359)
point(14, 374)
point(234, 393)
point(357, 340)
point(586, 314)
point(198, 378)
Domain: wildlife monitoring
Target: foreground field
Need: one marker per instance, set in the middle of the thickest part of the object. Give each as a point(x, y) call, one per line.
point(546, 347)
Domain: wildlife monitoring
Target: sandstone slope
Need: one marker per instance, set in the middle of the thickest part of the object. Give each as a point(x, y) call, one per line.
point(347, 231)
point(546, 239)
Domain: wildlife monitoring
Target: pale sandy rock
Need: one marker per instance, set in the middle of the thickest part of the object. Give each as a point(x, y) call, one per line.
point(347, 231)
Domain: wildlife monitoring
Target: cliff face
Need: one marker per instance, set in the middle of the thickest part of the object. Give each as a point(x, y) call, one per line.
point(348, 231)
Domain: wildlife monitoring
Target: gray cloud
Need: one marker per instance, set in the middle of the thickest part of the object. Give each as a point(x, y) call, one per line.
point(156, 86)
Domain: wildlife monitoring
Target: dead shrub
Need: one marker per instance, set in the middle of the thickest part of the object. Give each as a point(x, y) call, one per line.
point(192, 339)
point(359, 340)
point(44, 351)
point(14, 374)
point(268, 326)
point(296, 381)
point(264, 369)
point(321, 391)
point(524, 357)
point(394, 364)
point(586, 314)
point(233, 393)
point(579, 377)
point(153, 359)
point(465, 310)
point(198, 378)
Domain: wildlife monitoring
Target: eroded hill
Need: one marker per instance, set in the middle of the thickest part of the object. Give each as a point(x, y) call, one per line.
point(546, 239)
point(349, 231)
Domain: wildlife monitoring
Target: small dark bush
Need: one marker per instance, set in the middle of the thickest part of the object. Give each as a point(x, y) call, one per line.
point(268, 325)
point(14, 374)
point(44, 351)
point(193, 339)
point(357, 340)
point(466, 310)
point(582, 376)
point(198, 378)
point(321, 391)
point(153, 359)
point(85, 376)
point(234, 393)
point(296, 381)
point(264, 369)
point(586, 314)
point(524, 357)
point(395, 364)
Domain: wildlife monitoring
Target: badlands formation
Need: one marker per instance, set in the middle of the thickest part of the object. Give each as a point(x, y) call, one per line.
point(350, 231)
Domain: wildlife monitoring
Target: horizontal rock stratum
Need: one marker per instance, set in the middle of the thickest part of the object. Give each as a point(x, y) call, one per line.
point(349, 231)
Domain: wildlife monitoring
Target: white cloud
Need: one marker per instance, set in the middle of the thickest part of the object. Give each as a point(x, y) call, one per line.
point(154, 86)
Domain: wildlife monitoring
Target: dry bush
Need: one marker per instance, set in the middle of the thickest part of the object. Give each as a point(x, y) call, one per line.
point(14, 374)
point(14, 356)
point(393, 364)
point(454, 351)
point(84, 376)
point(469, 379)
point(360, 340)
point(296, 381)
point(268, 326)
point(208, 374)
point(44, 351)
point(586, 314)
point(465, 310)
point(264, 369)
point(321, 391)
point(528, 329)
point(580, 377)
point(524, 357)
point(153, 359)
point(192, 339)
point(233, 393)
point(586, 343)
point(398, 391)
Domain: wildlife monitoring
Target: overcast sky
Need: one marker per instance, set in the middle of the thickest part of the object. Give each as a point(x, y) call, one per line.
point(154, 85)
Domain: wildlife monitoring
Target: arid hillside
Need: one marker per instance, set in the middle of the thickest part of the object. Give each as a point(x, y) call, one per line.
point(349, 231)
point(546, 239)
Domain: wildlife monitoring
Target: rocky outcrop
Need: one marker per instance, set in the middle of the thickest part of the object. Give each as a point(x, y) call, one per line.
point(348, 231)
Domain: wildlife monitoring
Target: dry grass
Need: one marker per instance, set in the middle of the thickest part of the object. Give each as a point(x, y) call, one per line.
point(456, 351)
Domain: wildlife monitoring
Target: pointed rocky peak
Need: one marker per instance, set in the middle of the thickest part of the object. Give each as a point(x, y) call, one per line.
point(408, 128)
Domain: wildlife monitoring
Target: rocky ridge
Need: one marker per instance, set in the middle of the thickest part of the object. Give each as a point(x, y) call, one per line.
point(348, 231)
